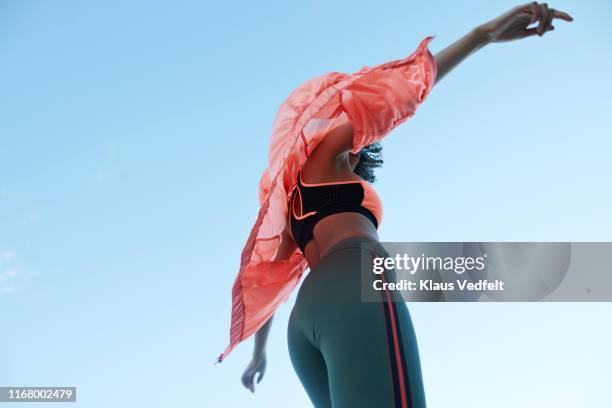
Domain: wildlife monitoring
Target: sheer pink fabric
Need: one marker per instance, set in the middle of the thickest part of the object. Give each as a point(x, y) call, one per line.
point(375, 100)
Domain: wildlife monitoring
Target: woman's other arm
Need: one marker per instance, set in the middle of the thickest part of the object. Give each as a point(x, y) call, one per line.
point(257, 365)
point(512, 25)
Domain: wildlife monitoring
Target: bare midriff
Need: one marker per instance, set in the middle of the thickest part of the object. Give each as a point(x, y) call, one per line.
point(335, 228)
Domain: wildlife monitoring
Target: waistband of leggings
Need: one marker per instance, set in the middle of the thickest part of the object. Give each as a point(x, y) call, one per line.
point(354, 242)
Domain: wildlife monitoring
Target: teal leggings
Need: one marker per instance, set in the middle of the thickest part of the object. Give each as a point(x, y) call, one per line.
point(349, 353)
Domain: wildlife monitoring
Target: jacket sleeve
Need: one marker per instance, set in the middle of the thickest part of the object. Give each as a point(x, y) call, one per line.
point(386, 95)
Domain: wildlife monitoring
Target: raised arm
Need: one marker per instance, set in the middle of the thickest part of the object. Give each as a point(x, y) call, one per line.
point(373, 103)
point(512, 25)
point(258, 362)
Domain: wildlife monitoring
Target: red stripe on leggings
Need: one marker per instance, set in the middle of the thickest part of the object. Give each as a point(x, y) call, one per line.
point(398, 357)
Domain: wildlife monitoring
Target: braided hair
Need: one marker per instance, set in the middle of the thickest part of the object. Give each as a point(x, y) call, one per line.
point(371, 158)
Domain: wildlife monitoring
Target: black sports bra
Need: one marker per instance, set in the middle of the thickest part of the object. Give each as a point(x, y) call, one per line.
point(310, 203)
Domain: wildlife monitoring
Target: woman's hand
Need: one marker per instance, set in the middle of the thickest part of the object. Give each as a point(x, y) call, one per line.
point(513, 25)
point(256, 366)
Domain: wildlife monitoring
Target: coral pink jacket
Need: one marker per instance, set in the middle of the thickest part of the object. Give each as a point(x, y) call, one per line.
point(375, 100)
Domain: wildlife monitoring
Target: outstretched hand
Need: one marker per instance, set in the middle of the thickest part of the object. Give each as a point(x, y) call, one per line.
point(514, 24)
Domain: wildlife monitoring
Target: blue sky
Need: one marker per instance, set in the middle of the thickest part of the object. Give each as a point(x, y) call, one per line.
point(132, 138)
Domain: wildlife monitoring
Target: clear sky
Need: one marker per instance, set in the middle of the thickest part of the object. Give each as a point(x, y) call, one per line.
point(132, 138)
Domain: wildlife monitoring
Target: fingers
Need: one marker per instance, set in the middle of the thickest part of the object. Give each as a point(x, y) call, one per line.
point(536, 14)
point(562, 15)
point(260, 376)
point(248, 378)
point(544, 17)
point(548, 25)
point(247, 381)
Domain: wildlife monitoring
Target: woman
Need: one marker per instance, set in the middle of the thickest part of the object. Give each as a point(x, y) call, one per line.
point(317, 208)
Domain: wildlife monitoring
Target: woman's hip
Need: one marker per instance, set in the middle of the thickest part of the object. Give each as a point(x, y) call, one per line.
point(340, 285)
